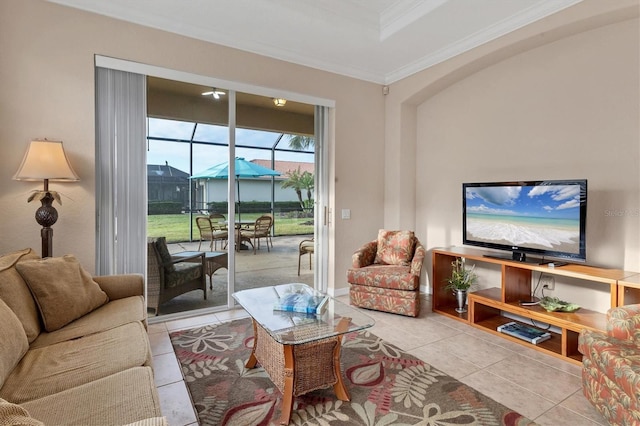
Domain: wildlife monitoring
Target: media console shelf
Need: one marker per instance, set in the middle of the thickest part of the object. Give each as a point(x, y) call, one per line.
point(487, 307)
point(629, 290)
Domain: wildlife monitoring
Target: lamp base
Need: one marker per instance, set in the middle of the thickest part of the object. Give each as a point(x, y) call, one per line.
point(47, 241)
point(46, 216)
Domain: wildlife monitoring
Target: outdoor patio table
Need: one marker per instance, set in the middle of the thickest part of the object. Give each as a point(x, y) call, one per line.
point(214, 260)
point(300, 352)
point(239, 224)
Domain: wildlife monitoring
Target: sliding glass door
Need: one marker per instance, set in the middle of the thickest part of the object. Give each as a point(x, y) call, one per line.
point(189, 133)
point(235, 160)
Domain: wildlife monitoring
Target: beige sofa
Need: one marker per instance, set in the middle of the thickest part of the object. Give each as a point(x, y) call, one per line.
point(74, 348)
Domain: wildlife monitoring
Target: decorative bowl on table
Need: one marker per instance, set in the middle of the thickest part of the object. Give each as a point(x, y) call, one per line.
point(553, 304)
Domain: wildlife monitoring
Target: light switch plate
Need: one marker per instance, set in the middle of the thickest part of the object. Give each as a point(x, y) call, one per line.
point(346, 213)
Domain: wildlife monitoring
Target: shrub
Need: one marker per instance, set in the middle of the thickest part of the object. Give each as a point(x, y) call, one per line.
point(164, 207)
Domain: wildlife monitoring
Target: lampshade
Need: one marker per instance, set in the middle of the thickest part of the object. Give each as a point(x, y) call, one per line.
point(46, 160)
point(279, 102)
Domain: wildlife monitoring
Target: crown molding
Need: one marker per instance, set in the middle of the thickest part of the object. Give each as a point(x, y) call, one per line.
point(505, 26)
point(403, 13)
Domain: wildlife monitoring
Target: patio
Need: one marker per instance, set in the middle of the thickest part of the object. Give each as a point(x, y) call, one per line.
point(265, 268)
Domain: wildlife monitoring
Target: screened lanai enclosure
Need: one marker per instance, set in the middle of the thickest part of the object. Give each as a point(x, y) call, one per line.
point(190, 129)
point(188, 133)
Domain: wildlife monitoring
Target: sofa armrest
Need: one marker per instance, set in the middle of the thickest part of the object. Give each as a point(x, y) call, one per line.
point(623, 323)
point(365, 255)
point(418, 259)
point(121, 286)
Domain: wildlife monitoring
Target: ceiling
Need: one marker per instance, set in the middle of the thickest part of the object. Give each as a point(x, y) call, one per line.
point(381, 41)
point(160, 85)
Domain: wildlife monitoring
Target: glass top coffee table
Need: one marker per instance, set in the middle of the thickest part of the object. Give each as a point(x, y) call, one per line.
point(299, 351)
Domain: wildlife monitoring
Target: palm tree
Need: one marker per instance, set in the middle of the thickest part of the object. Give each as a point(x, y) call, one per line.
point(299, 182)
point(294, 181)
point(307, 182)
point(301, 143)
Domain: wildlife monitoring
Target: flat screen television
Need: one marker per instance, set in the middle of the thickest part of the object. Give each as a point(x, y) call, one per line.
point(544, 218)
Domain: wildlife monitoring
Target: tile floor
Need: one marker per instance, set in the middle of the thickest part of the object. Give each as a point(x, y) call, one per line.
point(543, 388)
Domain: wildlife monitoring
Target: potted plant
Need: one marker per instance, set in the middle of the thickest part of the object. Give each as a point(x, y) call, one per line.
point(460, 281)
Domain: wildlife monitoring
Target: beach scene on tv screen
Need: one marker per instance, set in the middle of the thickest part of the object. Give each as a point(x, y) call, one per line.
point(538, 217)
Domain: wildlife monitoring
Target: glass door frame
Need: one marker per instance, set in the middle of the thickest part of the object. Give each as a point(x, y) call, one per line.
point(234, 87)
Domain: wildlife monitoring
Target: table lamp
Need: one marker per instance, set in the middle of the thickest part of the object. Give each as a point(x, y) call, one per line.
point(46, 160)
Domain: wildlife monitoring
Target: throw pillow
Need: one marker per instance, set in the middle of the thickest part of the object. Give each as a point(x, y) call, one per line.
point(14, 342)
point(63, 290)
point(395, 247)
point(15, 292)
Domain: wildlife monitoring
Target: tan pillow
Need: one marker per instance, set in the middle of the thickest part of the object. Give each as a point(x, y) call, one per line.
point(63, 290)
point(13, 342)
point(15, 292)
point(395, 247)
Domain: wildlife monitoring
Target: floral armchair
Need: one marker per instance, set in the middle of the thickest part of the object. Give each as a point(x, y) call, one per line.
point(611, 366)
point(385, 274)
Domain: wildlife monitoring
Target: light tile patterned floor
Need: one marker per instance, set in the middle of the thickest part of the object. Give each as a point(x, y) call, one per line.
point(543, 388)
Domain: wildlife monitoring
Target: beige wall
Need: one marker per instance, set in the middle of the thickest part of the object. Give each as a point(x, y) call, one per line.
point(482, 111)
point(47, 90)
point(564, 107)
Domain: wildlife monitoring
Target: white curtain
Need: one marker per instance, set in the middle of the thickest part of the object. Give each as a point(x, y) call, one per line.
point(121, 173)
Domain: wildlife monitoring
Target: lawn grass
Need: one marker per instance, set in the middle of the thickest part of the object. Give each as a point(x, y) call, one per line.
point(175, 227)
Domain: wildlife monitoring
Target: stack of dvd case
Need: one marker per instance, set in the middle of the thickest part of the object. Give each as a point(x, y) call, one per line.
point(524, 332)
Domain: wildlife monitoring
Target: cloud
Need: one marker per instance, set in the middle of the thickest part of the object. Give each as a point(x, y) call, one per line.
point(499, 196)
point(557, 192)
point(488, 210)
point(569, 204)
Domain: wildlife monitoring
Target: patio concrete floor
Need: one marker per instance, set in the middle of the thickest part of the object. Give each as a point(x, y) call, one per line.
point(265, 268)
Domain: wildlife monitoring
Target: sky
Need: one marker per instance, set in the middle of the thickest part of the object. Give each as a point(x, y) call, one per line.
point(553, 201)
point(206, 156)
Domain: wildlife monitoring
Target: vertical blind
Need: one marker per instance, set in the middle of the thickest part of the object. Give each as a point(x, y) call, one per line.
point(321, 231)
point(121, 175)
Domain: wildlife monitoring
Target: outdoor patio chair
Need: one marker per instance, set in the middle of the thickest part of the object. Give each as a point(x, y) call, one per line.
point(306, 246)
point(260, 229)
point(169, 277)
point(218, 221)
point(212, 231)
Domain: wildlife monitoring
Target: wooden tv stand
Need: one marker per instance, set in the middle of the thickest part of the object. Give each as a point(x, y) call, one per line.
point(488, 306)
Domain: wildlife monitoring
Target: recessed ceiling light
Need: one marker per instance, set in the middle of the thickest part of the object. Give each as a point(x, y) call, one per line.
point(279, 102)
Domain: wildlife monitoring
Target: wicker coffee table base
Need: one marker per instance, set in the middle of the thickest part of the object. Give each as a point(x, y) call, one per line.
point(298, 369)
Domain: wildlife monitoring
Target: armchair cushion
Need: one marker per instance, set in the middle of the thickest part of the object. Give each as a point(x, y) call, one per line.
point(184, 272)
point(395, 247)
point(163, 252)
point(63, 290)
point(384, 276)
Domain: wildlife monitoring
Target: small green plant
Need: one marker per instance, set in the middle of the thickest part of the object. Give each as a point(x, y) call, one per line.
point(461, 278)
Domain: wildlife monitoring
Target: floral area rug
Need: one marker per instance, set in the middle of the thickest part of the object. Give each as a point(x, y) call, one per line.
point(387, 385)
